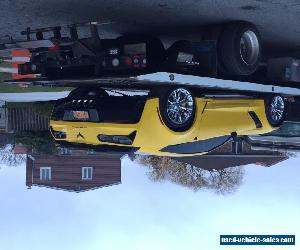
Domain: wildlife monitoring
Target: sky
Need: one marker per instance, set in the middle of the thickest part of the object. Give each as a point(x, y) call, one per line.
point(142, 214)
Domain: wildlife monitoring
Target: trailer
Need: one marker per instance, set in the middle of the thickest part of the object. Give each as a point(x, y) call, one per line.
point(231, 52)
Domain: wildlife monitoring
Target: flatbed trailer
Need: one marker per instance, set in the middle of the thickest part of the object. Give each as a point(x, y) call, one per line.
point(206, 84)
point(232, 53)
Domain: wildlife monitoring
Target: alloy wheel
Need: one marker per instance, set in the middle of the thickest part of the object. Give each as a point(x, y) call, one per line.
point(180, 106)
point(277, 107)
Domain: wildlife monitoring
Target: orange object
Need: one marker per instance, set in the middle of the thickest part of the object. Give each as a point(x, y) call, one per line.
point(20, 56)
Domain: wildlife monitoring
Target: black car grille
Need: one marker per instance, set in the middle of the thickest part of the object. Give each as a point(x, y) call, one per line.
point(118, 139)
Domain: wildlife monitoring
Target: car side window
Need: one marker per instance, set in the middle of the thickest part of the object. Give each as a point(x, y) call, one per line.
point(200, 146)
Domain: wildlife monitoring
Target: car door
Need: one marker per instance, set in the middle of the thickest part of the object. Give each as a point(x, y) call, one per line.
point(224, 116)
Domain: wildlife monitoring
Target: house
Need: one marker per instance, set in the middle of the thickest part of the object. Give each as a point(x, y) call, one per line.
point(233, 154)
point(284, 139)
point(73, 170)
point(20, 149)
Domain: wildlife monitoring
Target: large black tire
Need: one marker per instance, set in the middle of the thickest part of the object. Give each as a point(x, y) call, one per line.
point(212, 32)
point(278, 115)
point(240, 48)
point(167, 117)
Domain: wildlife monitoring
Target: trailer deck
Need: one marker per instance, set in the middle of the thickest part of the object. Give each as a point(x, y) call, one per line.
point(163, 78)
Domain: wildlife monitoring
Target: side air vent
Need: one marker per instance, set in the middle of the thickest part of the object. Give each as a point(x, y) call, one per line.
point(118, 139)
point(255, 118)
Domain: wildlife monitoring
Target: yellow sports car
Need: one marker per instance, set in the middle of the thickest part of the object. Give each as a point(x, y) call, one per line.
point(170, 121)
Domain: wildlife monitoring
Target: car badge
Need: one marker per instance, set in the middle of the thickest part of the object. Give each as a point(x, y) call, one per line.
point(80, 136)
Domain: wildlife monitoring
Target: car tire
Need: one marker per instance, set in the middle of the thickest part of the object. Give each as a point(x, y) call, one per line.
point(276, 110)
point(240, 48)
point(177, 108)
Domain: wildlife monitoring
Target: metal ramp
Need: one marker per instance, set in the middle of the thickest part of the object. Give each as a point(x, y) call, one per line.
point(165, 78)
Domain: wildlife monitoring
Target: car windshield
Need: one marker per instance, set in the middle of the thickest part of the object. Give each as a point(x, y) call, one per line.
point(197, 146)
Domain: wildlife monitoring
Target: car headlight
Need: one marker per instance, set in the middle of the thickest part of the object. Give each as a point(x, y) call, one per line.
point(58, 134)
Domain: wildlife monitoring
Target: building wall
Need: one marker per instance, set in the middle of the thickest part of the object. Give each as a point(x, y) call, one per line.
point(29, 170)
point(66, 171)
point(246, 150)
point(3, 119)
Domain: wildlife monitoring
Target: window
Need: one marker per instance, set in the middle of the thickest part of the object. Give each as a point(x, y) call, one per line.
point(65, 151)
point(45, 173)
point(237, 147)
point(87, 173)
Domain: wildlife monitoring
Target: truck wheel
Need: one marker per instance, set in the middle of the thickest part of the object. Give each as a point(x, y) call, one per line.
point(177, 108)
point(240, 48)
point(276, 110)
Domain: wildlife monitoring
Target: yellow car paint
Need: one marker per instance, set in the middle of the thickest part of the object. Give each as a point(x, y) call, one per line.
point(213, 118)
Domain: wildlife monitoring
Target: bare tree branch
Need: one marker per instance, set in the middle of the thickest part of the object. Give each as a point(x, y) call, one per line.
point(224, 181)
point(9, 158)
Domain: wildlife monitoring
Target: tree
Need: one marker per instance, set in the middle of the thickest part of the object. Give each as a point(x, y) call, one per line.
point(9, 158)
point(38, 141)
point(227, 180)
point(222, 181)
